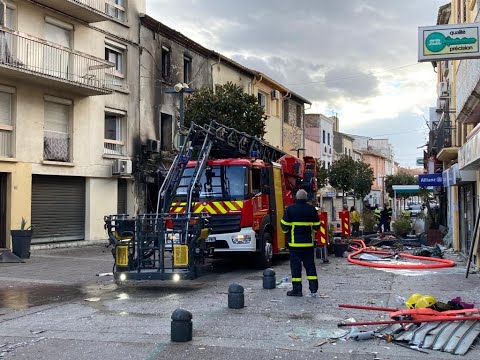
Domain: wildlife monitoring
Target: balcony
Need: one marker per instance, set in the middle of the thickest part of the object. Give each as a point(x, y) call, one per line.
point(27, 58)
point(446, 151)
point(90, 11)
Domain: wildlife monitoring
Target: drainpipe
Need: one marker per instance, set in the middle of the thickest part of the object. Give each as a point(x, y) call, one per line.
point(211, 71)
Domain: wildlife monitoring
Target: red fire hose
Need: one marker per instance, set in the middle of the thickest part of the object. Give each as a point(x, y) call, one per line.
point(437, 263)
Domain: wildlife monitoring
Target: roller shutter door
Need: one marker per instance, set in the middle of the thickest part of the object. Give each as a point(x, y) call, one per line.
point(58, 208)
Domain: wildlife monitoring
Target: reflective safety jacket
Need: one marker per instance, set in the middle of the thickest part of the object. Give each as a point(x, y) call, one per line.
point(301, 222)
point(378, 213)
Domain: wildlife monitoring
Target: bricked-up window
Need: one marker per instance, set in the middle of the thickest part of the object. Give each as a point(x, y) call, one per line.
point(166, 63)
point(187, 69)
point(285, 111)
point(299, 116)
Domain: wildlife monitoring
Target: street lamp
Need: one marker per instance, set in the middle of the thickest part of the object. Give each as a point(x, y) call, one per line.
point(180, 89)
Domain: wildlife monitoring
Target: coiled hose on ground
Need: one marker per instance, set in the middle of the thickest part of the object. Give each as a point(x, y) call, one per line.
point(437, 263)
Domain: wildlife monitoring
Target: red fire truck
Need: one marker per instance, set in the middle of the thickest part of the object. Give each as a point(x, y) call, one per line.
point(225, 193)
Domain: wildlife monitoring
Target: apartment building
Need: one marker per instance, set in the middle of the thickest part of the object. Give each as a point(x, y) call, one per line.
point(69, 90)
point(453, 143)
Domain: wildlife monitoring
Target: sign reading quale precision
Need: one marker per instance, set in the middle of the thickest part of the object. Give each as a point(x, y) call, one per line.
point(447, 42)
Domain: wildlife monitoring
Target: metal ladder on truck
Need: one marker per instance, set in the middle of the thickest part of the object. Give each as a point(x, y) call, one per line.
point(144, 257)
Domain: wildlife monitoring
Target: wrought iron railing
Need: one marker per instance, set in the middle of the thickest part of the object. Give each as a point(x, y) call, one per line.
point(445, 134)
point(113, 147)
point(40, 57)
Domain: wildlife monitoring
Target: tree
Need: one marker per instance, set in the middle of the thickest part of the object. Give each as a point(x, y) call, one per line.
point(402, 178)
point(322, 174)
point(230, 106)
point(341, 173)
point(363, 179)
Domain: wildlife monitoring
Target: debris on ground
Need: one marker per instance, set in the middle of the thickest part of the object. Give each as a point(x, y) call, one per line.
point(446, 327)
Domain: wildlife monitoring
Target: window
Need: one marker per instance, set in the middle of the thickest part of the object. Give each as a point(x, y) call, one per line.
point(187, 69)
point(166, 131)
point(166, 63)
point(328, 139)
point(114, 142)
point(10, 17)
point(115, 53)
point(116, 9)
point(263, 101)
point(299, 116)
point(346, 151)
point(349, 153)
point(6, 121)
point(57, 62)
point(285, 111)
point(328, 165)
point(323, 136)
point(56, 140)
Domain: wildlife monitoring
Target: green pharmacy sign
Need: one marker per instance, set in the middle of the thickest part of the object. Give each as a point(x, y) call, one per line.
point(448, 42)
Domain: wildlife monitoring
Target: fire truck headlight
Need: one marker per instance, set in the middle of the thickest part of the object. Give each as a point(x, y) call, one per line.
point(122, 277)
point(173, 238)
point(241, 239)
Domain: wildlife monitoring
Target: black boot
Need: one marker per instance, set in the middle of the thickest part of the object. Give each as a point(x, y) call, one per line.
point(296, 291)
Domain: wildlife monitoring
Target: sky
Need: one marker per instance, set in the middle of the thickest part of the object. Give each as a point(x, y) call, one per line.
point(353, 58)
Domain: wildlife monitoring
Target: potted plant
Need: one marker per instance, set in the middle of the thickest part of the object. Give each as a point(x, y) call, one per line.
point(402, 226)
point(369, 222)
point(21, 240)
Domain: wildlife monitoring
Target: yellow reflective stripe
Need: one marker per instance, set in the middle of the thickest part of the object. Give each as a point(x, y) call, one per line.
point(210, 209)
point(178, 209)
point(285, 223)
point(296, 279)
point(312, 277)
point(285, 231)
point(199, 209)
point(230, 205)
point(293, 244)
point(300, 223)
point(220, 207)
point(322, 230)
point(239, 203)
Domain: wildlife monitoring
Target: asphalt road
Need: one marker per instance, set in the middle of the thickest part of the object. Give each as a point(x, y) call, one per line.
point(55, 307)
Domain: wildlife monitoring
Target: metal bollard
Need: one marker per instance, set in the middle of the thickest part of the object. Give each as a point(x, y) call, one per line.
point(236, 299)
point(269, 281)
point(181, 327)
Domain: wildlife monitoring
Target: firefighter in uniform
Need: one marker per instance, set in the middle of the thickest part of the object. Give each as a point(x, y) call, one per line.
point(300, 221)
point(378, 216)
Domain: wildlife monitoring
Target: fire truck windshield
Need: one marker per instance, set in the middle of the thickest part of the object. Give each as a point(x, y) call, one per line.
point(218, 182)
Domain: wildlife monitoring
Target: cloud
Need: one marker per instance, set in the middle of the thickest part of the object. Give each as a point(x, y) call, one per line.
point(356, 58)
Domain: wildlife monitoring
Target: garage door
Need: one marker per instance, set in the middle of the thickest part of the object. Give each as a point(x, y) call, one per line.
point(58, 208)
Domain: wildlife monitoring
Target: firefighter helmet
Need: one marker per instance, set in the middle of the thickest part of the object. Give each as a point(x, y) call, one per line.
point(412, 300)
point(425, 301)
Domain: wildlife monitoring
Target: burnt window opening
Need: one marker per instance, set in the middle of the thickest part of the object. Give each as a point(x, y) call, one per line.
point(166, 132)
point(166, 63)
point(285, 111)
point(187, 69)
point(299, 116)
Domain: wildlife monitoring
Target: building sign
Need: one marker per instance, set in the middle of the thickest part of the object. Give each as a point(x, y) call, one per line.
point(420, 162)
point(447, 42)
point(469, 154)
point(430, 180)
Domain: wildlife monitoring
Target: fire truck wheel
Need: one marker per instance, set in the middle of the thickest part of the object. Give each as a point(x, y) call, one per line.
point(265, 255)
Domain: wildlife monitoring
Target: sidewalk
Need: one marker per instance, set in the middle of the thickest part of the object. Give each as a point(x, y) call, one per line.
point(43, 308)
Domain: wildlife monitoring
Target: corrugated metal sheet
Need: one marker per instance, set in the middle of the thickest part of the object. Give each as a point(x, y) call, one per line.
point(58, 208)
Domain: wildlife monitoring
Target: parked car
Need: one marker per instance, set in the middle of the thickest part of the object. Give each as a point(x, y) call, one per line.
point(415, 209)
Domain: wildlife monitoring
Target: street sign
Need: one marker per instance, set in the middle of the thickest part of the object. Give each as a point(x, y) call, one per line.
point(420, 162)
point(430, 180)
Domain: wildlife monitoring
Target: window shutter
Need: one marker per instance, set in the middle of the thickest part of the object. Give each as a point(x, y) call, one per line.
point(57, 117)
point(5, 108)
